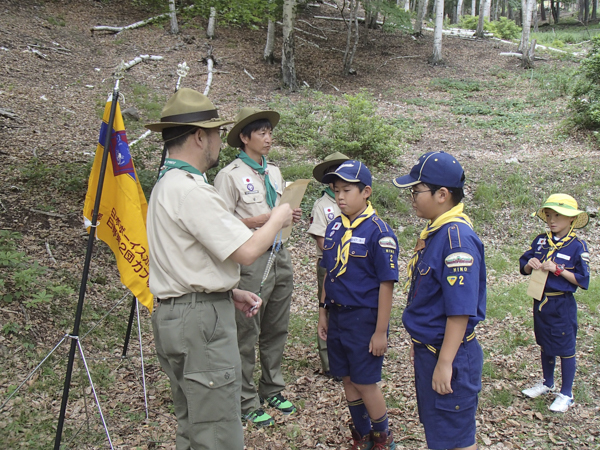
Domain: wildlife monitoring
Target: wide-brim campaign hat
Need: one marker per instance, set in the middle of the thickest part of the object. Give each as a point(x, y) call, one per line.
point(188, 107)
point(335, 159)
point(438, 168)
point(351, 171)
point(567, 206)
point(245, 117)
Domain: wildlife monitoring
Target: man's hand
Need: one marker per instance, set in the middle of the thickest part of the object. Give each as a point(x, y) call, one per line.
point(282, 214)
point(378, 344)
point(247, 302)
point(442, 377)
point(323, 324)
point(297, 214)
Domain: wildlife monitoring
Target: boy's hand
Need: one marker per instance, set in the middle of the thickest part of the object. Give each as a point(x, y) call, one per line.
point(247, 302)
point(323, 324)
point(549, 266)
point(442, 377)
point(412, 354)
point(297, 214)
point(378, 344)
point(534, 263)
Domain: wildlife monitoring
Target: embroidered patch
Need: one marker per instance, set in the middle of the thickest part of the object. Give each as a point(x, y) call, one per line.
point(451, 279)
point(563, 256)
point(459, 259)
point(336, 226)
point(357, 240)
point(329, 213)
point(387, 242)
point(246, 180)
point(250, 187)
point(585, 256)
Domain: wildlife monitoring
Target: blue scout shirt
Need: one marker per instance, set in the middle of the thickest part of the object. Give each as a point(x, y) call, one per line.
point(573, 254)
point(373, 259)
point(449, 280)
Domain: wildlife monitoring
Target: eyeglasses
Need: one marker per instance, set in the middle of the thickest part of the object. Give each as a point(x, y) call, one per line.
point(413, 193)
point(222, 132)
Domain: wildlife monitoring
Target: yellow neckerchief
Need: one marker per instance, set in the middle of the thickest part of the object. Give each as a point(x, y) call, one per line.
point(556, 246)
point(343, 249)
point(453, 215)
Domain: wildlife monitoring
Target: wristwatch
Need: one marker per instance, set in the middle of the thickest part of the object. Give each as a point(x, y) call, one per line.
point(560, 268)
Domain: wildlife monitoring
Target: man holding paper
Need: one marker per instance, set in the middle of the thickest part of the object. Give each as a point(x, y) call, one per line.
point(251, 187)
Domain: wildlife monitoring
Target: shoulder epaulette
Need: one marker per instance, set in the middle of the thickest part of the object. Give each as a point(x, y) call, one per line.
point(583, 244)
point(269, 163)
point(383, 226)
point(231, 166)
point(454, 236)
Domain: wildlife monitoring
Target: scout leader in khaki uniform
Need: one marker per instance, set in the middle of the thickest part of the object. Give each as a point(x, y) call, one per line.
point(196, 246)
point(324, 211)
point(251, 188)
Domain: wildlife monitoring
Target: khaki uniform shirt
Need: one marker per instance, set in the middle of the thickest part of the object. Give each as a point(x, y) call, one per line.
point(323, 212)
point(243, 189)
point(191, 235)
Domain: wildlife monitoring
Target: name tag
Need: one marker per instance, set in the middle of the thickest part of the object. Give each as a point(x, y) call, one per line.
point(357, 240)
point(563, 256)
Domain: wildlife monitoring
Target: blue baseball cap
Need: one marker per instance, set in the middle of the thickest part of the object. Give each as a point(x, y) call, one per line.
point(351, 171)
point(438, 168)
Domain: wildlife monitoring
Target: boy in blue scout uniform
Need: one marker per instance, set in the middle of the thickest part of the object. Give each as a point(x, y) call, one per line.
point(561, 253)
point(446, 300)
point(324, 211)
point(360, 253)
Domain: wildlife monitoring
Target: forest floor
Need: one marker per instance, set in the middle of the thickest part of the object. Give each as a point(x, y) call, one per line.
point(504, 125)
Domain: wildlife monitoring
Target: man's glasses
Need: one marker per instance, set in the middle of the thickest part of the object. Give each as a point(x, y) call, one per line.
point(222, 132)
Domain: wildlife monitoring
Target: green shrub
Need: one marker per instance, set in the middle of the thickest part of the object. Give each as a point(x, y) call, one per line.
point(505, 28)
point(470, 23)
point(585, 102)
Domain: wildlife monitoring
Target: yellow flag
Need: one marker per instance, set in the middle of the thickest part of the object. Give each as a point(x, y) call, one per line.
point(123, 207)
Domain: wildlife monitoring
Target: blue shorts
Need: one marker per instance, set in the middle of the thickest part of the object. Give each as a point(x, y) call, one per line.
point(555, 325)
point(348, 336)
point(449, 420)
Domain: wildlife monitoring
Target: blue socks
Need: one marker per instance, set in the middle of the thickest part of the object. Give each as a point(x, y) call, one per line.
point(360, 416)
point(380, 424)
point(548, 369)
point(568, 368)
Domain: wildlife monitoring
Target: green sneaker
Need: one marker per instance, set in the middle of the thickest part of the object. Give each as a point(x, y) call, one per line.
point(259, 418)
point(279, 401)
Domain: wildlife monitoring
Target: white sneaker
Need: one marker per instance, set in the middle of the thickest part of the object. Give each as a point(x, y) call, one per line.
point(537, 390)
point(561, 403)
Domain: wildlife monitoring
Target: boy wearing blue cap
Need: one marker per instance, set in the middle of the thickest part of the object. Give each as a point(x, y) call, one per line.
point(565, 259)
point(361, 261)
point(446, 300)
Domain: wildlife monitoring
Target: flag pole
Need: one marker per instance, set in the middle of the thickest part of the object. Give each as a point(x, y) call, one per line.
point(88, 258)
point(129, 325)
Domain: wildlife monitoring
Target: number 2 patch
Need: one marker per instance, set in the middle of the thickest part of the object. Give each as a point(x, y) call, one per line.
point(452, 279)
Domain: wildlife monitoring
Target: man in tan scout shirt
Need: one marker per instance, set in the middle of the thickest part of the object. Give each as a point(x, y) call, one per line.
point(251, 187)
point(196, 246)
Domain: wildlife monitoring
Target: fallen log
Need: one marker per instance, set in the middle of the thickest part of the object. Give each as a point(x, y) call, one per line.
point(139, 24)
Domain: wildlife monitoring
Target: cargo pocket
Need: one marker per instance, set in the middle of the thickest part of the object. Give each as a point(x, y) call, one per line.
point(559, 335)
point(212, 396)
point(456, 404)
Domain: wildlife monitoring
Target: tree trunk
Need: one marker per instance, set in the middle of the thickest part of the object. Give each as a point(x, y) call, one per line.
point(406, 5)
point(174, 26)
point(268, 54)
point(288, 67)
point(497, 10)
point(422, 9)
point(557, 11)
point(482, 7)
point(510, 14)
point(586, 13)
point(212, 23)
point(436, 58)
point(473, 7)
point(535, 19)
point(594, 7)
point(352, 30)
point(459, 7)
point(488, 8)
point(542, 10)
point(528, 6)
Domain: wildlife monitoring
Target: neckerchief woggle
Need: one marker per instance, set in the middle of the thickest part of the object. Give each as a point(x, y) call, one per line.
point(178, 164)
point(343, 250)
point(453, 215)
point(262, 170)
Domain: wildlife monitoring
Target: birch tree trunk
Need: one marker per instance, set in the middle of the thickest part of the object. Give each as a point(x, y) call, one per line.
point(488, 9)
point(436, 58)
point(482, 7)
point(212, 23)
point(473, 7)
point(535, 19)
point(352, 29)
point(406, 5)
point(288, 67)
point(268, 54)
point(174, 26)
point(528, 6)
point(459, 6)
point(422, 9)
